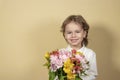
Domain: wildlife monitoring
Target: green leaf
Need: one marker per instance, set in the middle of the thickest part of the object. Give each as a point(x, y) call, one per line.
point(46, 64)
point(77, 78)
point(52, 75)
point(62, 77)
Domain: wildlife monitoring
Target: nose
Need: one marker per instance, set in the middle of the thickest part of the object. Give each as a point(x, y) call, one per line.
point(73, 35)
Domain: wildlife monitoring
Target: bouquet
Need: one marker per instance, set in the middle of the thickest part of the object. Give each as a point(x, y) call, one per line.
point(66, 65)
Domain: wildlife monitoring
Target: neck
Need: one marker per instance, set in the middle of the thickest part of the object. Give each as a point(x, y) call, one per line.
point(76, 47)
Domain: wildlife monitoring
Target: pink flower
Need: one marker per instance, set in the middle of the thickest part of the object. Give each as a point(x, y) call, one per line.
point(80, 57)
point(64, 55)
point(55, 62)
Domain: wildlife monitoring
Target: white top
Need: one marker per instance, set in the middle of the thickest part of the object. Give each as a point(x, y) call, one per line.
point(91, 57)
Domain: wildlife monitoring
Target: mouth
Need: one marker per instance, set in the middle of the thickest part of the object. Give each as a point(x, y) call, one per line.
point(74, 40)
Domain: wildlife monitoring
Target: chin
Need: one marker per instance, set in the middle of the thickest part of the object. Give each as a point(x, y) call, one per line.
point(74, 44)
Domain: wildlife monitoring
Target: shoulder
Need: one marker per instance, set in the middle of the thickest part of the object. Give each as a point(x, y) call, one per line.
point(89, 51)
point(89, 54)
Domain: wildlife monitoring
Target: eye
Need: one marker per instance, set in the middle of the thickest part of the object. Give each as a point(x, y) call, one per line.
point(68, 32)
point(77, 31)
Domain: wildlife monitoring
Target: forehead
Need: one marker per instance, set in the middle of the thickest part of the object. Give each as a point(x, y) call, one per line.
point(73, 25)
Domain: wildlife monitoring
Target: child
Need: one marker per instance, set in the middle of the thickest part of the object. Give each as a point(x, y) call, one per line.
point(75, 31)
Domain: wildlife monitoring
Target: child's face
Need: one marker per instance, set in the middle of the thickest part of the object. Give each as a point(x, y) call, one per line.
point(74, 34)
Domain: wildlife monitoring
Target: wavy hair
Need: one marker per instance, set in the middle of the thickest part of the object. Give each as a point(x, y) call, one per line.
point(79, 20)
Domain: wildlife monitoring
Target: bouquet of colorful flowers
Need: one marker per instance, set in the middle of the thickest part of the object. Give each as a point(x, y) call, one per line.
point(66, 65)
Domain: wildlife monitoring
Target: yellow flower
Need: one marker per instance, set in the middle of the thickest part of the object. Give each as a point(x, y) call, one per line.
point(71, 76)
point(47, 55)
point(68, 66)
point(79, 53)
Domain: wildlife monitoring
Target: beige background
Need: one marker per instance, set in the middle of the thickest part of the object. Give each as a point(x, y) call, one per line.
point(29, 28)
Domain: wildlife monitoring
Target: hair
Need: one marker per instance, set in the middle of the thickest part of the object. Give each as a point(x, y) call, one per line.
point(78, 19)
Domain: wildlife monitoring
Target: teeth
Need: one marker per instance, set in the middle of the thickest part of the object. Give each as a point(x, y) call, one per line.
point(73, 40)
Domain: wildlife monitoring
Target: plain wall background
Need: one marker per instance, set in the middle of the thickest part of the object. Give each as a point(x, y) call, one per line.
point(29, 28)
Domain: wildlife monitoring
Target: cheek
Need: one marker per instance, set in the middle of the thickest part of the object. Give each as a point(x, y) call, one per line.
point(66, 36)
point(82, 35)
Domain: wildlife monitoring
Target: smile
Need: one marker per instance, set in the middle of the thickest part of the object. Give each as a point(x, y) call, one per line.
point(74, 40)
